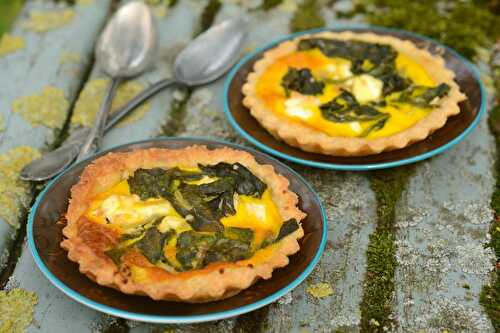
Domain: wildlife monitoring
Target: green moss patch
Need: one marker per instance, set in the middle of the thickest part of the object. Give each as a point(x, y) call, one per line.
point(307, 16)
point(464, 25)
point(376, 305)
point(270, 4)
point(209, 13)
point(490, 295)
point(175, 124)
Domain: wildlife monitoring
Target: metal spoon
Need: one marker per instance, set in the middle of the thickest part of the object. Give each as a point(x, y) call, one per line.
point(204, 60)
point(124, 49)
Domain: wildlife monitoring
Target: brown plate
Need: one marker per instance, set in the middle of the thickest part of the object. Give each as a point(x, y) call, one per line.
point(45, 235)
point(455, 130)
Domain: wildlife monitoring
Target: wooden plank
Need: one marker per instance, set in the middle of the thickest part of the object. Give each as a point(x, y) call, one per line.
point(42, 62)
point(443, 225)
point(342, 266)
point(56, 312)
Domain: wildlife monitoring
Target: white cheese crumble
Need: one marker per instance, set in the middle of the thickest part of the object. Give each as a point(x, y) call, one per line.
point(366, 88)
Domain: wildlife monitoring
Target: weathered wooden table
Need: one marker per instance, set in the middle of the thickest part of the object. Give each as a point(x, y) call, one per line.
point(406, 250)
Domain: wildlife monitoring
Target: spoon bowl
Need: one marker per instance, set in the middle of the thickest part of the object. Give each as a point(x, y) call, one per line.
point(203, 61)
point(128, 43)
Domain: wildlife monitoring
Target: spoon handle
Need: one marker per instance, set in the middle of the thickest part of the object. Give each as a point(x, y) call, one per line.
point(93, 140)
point(137, 100)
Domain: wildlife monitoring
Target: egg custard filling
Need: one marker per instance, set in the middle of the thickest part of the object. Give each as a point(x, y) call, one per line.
point(349, 93)
point(349, 88)
point(182, 220)
point(191, 224)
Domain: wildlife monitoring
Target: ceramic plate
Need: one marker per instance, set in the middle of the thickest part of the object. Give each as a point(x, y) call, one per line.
point(455, 130)
point(45, 235)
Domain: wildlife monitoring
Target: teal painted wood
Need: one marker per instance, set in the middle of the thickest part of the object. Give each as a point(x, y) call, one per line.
point(44, 61)
point(56, 312)
point(443, 226)
point(443, 219)
point(348, 198)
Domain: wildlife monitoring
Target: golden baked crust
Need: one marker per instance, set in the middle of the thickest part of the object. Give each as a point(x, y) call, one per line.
point(312, 140)
point(86, 241)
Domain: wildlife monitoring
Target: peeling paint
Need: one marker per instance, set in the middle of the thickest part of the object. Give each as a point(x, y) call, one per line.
point(320, 290)
point(46, 109)
point(43, 21)
point(10, 44)
point(16, 310)
point(15, 193)
point(90, 98)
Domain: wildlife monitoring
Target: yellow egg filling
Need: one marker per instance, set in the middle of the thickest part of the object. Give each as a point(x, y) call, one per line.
point(336, 75)
point(121, 210)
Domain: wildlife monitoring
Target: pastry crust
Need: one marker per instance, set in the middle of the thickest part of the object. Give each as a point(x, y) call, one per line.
point(312, 140)
point(86, 241)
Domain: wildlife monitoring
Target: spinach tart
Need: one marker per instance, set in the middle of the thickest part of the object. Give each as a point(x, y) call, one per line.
point(350, 94)
point(191, 225)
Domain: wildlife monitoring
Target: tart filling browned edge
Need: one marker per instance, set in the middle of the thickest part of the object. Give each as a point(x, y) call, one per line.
point(85, 240)
point(311, 140)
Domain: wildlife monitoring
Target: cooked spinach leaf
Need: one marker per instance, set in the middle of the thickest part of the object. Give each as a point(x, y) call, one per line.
point(196, 208)
point(423, 96)
point(115, 254)
point(225, 249)
point(287, 228)
point(196, 250)
point(302, 81)
point(246, 182)
point(377, 60)
point(151, 245)
point(245, 235)
point(201, 205)
point(192, 248)
point(157, 182)
point(377, 126)
point(345, 108)
point(363, 56)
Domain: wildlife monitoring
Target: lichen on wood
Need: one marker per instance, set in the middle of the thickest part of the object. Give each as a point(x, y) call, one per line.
point(16, 310)
point(14, 193)
point(43, 21)
point(10, 44)
point(47, 109)
point(90, 98)
point(320, 290)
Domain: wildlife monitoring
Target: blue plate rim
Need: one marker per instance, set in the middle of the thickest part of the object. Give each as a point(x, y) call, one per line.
point(353, 167)
point(175, 319)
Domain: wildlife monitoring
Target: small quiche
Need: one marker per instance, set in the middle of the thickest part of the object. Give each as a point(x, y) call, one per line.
point(191, 225)
point(350, 93)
